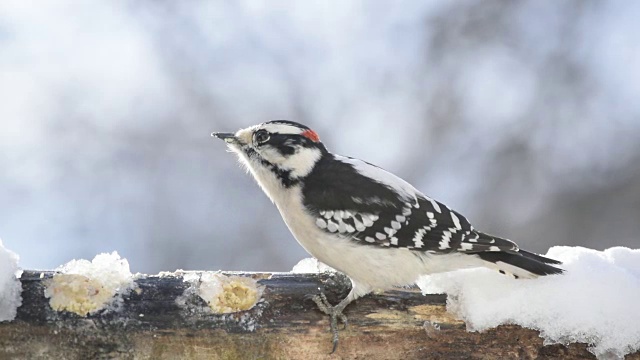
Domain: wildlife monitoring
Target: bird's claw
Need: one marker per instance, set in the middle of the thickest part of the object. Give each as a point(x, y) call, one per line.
point(334, 313)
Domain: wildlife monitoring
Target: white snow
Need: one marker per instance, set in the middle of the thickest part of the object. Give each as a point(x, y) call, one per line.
point(85, 287)
point(10, 287)
point(595, 301)
point(311, 265)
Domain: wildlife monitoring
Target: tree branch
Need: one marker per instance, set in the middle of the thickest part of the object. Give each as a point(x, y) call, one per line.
point(151, 324)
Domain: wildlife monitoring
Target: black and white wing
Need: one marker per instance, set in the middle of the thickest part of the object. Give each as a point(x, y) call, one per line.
point(364, 203)
point(368, 204)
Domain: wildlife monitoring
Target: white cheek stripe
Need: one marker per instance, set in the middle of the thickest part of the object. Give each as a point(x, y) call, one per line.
point(302, 162)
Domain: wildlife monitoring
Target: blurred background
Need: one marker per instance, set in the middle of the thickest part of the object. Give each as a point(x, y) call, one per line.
point(524, 116)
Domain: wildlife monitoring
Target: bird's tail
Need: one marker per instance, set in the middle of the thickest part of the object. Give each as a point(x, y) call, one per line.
point(521, 263)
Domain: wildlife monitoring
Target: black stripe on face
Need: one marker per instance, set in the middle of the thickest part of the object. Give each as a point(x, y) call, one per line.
point(288, 144)
point(283, 175)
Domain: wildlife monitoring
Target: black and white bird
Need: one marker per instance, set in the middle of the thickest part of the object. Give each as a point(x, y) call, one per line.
point(364, 221)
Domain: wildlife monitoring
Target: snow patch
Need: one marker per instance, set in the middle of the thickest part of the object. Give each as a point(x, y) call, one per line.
point(10, 287)
point(311, 266)
point(594, 302)
point(86, 287)
point(224, 294)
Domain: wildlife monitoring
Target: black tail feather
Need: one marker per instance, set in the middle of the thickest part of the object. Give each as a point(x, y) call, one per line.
point(531, 263)
point(540, 258)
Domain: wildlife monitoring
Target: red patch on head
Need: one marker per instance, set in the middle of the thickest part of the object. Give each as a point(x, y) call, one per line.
point(311, 135)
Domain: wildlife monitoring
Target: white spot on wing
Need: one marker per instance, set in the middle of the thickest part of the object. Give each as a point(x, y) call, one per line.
point(396, 225)
point(417, 239)
point(446, 238)
point(342, 227)
point(466, 246)
point(389, 231)
point(434, 204)
point(337, 217)
point(366, 220)
point(456, 221)
point(381, 236)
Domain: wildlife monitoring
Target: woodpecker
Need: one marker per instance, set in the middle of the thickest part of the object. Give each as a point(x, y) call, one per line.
point(366, 222)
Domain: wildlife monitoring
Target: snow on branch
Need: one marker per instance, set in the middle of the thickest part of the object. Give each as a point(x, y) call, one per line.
point(595, 301)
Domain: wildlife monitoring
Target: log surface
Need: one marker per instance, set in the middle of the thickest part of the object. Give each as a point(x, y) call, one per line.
point(285, 324)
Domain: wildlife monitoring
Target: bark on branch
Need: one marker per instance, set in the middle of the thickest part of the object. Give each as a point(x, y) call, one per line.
point(151, 324)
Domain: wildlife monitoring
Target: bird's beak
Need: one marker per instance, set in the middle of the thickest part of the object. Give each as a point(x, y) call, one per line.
point(229, 138)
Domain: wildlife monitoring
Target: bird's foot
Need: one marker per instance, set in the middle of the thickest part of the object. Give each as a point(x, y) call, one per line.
point(334, 312)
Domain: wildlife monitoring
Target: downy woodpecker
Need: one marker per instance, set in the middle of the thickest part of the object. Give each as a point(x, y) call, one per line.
point(364, 221)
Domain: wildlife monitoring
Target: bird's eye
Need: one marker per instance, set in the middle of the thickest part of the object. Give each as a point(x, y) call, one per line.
point(261, 137)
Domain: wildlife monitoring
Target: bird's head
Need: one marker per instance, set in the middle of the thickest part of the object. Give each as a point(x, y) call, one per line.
point(277, 151)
